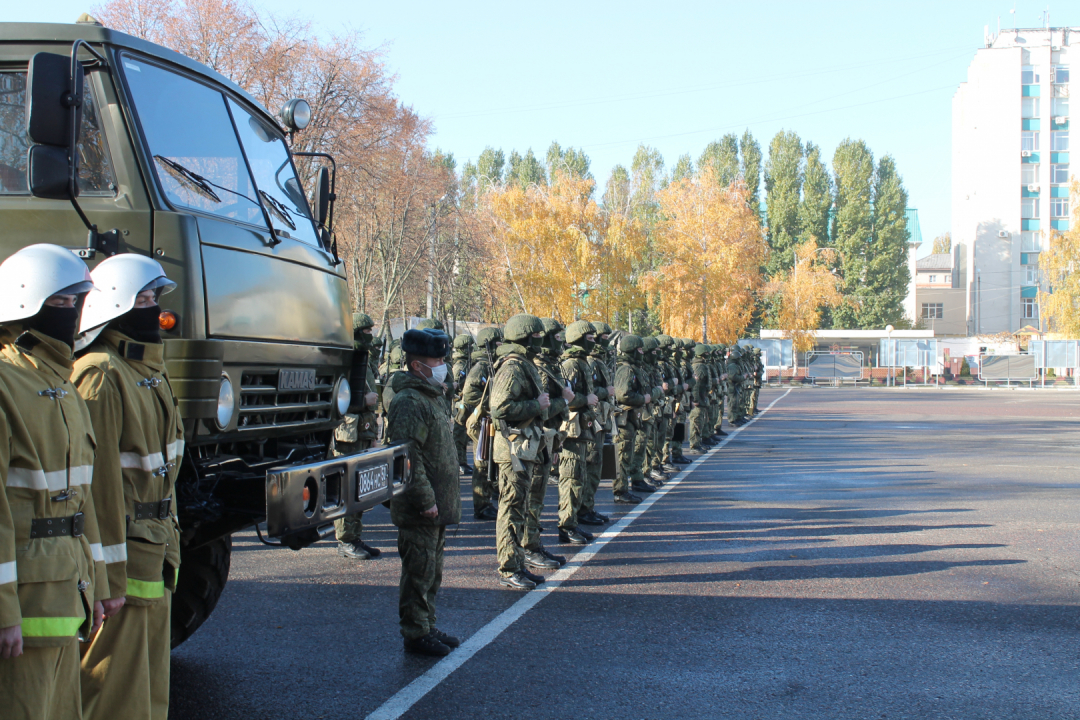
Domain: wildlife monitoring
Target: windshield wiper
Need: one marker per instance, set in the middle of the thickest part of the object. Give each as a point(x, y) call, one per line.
point(278, 208)
point(202, 186)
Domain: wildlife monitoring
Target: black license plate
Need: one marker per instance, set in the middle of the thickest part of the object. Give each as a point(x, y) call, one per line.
point(293, 380)
point(368, 480)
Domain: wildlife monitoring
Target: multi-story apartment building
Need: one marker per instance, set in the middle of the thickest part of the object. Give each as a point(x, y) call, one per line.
point(1011, 171)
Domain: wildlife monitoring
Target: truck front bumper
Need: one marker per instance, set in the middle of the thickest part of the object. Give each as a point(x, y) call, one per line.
point(301, 500)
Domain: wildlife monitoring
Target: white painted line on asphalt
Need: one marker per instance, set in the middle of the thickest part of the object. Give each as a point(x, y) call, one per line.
point(406, 697)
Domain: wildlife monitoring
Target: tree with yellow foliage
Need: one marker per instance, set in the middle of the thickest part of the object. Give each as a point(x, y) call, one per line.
point(561, 254)
point(711, 248)
point(1060, 302)
point(803, 291)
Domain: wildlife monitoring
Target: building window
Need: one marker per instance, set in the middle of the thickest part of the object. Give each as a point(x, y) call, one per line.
point(1029, 207)
point(1059, 174)
point(1059, 107)
point(1029, 107)
point(1059, 207)
point(1029, 141)
point(933, 279)
point(1029, 75)
point(1059, 74)
point(1031, 274)
point(1029, 308)
point(933, 311)
point(1059, 141)
point(1030, 242)
point(1060, 91)
point(1029, 173)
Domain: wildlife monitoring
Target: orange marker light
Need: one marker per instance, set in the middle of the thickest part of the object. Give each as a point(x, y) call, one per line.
point(307, 495)
point(168, 320)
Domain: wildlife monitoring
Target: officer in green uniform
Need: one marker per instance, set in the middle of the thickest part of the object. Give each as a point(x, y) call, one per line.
point(579, 428)
point(632, 394)
point(652, 475)
point(451, 390)
point(672, 386)
point(519, 406)
point(463, 345)
point(485, 488)
point(357, 433)
point(735, 373)
point(546, 360)
point(604, 389)
point(681, 367)
point(432, 498)
point(699, 398)
point(720, 366)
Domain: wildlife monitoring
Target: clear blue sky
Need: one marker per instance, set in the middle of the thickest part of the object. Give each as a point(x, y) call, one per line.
point(605, 76)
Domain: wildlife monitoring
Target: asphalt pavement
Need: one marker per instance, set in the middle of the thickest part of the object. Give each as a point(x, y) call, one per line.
point(850, 554)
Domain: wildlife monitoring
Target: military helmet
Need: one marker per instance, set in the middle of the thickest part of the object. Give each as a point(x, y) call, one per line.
point(665, 341)
point(551, 325)
point(396, 356)
point(736, 353)
point(488, 335)
point(463, 341)
point(601, 328)
point(649, 344)
point(362, 321)
point(700, 350)
point(629, 343)
point(520, 328)
point(577, 330)
point(757, 351)
point(433, 323)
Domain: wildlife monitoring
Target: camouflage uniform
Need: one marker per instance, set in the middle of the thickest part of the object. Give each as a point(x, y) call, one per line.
point(630, 391)
point(651, 415)
point(546, 362)
point(451, 389)
point(759, 376)
point(720, 364)
point(516, 412)
point(579, 426)
point(601, 380)
point(736, 379)
point(463, 345)
point(699, 398)
point(418, 414)
point(357, 432)
point(485, 490)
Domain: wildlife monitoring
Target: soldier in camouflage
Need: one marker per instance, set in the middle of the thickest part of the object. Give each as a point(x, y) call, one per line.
point(653, 475)
point(519, 405)
point(463, 345)
point(720, 364)
point(604, 389)
point(632, 394)
point(699, 398)
point(672, 386)
point(431, 499)
point(759, 376)
point(578, 429)
point(357, 433)
point(485, 489)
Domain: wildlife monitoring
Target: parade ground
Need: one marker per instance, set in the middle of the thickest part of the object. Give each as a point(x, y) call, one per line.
point(848, 554)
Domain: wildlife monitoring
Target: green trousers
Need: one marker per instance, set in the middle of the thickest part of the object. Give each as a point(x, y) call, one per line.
point(696, 424)
point(641, 447)
point(594, 464)
point(421, 549)
point(481, 485)
point(630, 462)
point(572, 478)
point(510, 523)
point(659, 442)
point(349, 528)
point(734, 406)
point(125, 669)
point(42, 684)
point(541, 472)
point(461, 442)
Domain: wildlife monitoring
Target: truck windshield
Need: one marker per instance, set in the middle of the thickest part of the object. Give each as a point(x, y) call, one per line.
point(191, 138)
point(95, 171)
point(274, 176)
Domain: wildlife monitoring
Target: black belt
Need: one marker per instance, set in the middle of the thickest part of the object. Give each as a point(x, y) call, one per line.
point(57, 527)
point(149, 510)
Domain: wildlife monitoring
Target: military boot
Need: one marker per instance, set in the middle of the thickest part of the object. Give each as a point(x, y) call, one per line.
point(572, 536)
point(537, 559)
point(627, 498)
point(537, 579)
point(427, 645)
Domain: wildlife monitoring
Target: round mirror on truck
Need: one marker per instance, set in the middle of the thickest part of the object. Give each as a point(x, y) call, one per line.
point(296, 114)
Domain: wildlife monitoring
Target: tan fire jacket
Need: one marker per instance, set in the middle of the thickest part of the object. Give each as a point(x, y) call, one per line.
point(48, 584)
point(140, 445)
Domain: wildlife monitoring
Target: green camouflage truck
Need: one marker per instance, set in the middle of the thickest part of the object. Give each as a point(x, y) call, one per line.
point(108, 144)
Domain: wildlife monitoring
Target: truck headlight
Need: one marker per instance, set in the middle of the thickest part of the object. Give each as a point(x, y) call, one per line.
point(226, 402)
point(343, 396)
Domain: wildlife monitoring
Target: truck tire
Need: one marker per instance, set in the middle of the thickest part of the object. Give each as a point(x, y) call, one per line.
point(203, 574)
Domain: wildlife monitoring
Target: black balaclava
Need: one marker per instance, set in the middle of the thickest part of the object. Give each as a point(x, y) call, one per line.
point(140, 324)
point(59, 323)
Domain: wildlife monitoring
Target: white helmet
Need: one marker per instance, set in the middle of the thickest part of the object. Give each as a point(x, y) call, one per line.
point(119, 279)
point(34, 274)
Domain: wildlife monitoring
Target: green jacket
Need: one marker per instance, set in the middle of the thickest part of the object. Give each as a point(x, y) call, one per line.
point(516, 389)
point(557, 412)
point(418, 415)
point(47, 448)
point(630, 389)
point(699, 392)
point(575, 368)
point(140, 445)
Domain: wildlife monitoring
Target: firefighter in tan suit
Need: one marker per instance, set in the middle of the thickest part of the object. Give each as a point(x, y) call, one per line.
point(121, 375)
point(52, 577)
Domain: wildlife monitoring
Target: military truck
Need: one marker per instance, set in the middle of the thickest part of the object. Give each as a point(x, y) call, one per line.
point(108, 144)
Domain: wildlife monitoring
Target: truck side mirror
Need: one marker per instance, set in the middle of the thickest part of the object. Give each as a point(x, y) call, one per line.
point(48, 172)
point(50, 97)
point(322, 197)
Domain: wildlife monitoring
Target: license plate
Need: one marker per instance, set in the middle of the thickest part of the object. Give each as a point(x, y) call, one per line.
point(370, 479)
point(296, 380)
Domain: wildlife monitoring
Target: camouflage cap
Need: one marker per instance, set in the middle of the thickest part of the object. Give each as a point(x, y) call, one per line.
point(520, 327)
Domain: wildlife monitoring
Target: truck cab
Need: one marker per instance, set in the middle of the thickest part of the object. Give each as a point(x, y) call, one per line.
point(180, 164)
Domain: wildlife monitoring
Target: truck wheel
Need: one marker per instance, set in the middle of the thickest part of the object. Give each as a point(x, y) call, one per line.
point(203, 574)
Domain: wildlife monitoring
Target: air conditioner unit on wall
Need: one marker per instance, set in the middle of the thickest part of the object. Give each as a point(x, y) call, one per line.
point(1003, 233)
point(1033, 188)
point(1025, 153)
point(1060, 120)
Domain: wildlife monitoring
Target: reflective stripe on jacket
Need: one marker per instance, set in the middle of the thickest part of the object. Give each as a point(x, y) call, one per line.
point(140, 447)
point(47, 584)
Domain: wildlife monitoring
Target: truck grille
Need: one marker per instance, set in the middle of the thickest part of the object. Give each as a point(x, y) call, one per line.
point(262, 405)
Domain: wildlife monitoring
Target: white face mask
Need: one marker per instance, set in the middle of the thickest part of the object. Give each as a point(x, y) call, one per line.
point(438, 374)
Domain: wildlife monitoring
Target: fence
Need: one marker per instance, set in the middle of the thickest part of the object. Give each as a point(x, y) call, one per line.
point(836, 367)
point(1056, 355)
point(910, 353)
point(1008, 369)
